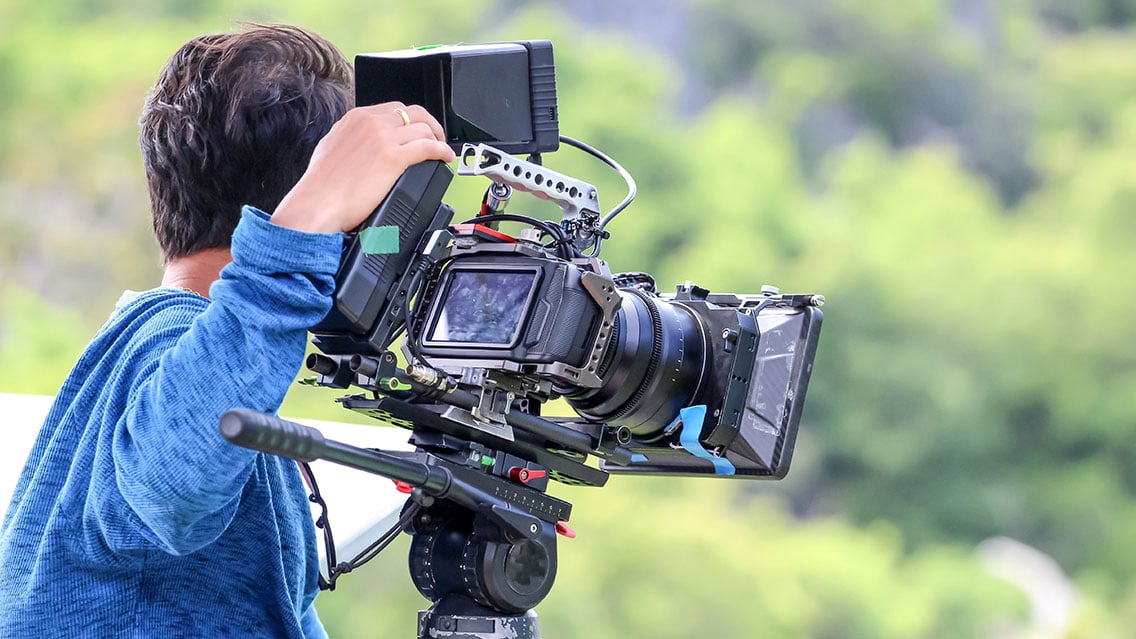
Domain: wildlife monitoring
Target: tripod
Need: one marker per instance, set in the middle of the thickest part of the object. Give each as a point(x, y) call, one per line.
point(484, 530)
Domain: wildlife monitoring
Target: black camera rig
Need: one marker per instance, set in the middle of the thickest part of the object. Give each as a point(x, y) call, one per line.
point(494, 326)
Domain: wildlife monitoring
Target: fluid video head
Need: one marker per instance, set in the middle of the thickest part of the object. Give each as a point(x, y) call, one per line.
point(495, 326)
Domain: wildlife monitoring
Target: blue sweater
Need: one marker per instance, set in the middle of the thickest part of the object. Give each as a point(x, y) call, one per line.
point(133, 517)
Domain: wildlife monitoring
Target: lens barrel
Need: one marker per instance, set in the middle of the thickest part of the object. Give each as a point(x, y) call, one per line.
point(653, 366)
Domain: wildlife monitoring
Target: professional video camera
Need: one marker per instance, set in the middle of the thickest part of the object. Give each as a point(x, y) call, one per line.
point(495, 326)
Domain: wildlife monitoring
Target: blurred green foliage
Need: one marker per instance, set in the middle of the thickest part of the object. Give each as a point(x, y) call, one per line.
point(677, 558)
point(956, 178)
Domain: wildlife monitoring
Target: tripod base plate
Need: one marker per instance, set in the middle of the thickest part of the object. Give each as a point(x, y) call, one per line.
point(435, 625)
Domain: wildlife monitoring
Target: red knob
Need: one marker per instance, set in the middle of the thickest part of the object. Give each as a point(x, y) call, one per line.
point(563, 529)
point(525, 475)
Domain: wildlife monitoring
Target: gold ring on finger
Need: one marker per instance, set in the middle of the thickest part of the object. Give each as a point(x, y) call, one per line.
point(404, 115)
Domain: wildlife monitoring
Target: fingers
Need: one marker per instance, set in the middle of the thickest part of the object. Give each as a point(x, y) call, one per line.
point(412, 131)
point(419, 114)
point(355, 165)
point(387, 125)
point(416, 128)
point(391, 113)
point(423, 149)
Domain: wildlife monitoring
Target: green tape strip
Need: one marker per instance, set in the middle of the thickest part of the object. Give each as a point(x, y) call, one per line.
point(379, 240)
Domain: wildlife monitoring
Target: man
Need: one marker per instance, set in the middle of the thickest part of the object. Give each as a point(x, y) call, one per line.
point(133, 517)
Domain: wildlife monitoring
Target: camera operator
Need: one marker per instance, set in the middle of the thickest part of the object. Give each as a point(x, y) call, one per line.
point(132, 516)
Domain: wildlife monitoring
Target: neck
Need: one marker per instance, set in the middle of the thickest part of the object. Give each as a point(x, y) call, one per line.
point(198, 271)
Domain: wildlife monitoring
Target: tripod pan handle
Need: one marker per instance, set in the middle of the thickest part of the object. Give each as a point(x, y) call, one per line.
point(270, 434)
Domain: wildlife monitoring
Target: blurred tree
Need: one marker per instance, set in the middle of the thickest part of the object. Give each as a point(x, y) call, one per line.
point(682, 558)
point(1076, 16)
point(38, 343)
point(954, 176)
point(928, 71)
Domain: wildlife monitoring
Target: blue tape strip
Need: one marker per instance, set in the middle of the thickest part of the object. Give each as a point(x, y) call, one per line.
point(692, 418)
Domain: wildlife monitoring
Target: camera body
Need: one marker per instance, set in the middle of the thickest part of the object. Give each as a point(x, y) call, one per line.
point(691, 383)
point(500, 306)
point(623, 355)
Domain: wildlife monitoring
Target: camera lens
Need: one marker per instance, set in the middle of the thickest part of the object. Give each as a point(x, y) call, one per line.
point(652, 366)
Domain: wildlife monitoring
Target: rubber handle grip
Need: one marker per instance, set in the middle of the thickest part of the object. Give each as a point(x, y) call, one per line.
point(271, 434)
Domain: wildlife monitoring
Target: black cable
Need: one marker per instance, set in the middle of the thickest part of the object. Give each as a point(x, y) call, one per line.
point(412, 297)
point(544, 225)
point(323, 524)
point(380, 544)
point(335, 569)
point(560, 240)
point(632, 189)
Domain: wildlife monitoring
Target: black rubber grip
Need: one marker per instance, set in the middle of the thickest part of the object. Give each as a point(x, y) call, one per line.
point(270, 434)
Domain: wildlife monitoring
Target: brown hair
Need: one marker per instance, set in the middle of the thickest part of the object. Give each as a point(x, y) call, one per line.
point(233, 119)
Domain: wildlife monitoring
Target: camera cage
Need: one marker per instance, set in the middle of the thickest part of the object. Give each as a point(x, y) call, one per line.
point(472, 385)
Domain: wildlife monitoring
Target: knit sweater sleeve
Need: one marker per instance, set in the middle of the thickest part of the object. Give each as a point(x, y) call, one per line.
point(179, 480)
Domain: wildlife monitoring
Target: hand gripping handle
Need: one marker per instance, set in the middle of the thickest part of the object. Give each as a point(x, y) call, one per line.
point(270, 434)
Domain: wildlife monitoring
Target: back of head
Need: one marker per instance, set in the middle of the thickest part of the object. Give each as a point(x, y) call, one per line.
point(233, 119)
